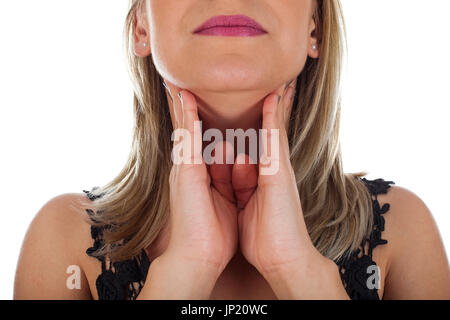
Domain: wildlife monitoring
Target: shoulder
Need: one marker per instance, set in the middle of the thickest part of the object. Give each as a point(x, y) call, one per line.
point(402, 209)
point(52, 247)
point(62, 218)
point(408, 217)
point(417, 266)
point(65, 212)
point(406, 205)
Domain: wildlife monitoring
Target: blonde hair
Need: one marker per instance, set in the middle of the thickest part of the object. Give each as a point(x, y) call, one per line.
point(337, 207)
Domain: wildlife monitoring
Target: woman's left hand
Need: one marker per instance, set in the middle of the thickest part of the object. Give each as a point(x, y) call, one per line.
point(272, 231)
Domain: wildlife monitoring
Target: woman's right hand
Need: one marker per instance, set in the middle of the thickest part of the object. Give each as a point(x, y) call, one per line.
point(203, 221)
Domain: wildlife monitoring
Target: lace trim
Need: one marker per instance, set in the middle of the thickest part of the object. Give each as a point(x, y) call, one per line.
point(122, 280)
point(354, 271)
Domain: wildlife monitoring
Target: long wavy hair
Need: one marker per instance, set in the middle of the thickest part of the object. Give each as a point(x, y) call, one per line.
point(337, 207)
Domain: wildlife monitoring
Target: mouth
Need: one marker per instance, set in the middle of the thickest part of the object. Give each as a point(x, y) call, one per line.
point(231, 26)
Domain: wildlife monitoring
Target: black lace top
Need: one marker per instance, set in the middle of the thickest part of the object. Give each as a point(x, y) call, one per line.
point(124, 280)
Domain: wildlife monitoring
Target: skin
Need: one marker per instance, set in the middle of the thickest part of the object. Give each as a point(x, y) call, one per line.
point(232, 75)
point(243, 220)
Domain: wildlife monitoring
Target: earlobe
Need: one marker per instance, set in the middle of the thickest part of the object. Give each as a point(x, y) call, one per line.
point(313, 50)
point(142, 48)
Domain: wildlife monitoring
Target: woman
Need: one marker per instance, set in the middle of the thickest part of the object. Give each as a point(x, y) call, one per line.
point(196, 230)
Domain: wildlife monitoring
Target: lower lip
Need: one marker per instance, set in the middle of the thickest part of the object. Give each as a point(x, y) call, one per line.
point(239, 31)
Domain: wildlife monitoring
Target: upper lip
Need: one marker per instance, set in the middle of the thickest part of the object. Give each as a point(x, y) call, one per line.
point(230, 21)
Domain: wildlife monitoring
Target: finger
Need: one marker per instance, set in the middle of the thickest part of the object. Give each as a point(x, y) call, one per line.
point(275, 145)
point(287, 104)
point(191, 124)
point(167, 89)
point(178, 136)
point(269, 156)
point(174, 104)
point(288, 101)
point(282, 90)
point(281, 93)
point(221, 172)
point(284, 108)
point(189, 166)
point(291, 84)
point(244, 179)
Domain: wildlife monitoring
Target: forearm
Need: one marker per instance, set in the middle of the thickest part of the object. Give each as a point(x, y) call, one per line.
point(168, 279)
point(315, 281)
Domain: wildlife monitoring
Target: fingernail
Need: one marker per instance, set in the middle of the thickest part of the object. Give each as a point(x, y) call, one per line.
point(289, 83)
point(168, 90)
point(293, 94)
point(290, 93)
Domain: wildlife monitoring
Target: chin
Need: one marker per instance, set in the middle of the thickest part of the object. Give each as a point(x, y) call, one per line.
point(229, 72)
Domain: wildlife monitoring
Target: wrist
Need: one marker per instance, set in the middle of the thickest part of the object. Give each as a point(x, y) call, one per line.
point(313, 278)
point(172, 278)
point(211, 269)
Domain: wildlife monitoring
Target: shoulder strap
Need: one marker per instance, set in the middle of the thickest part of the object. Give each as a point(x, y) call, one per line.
point(376, 187)
point(353, 270)
point(118, 280)
point(96, 231)
point(92, 195)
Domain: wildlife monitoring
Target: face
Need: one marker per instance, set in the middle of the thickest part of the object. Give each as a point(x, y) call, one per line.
point(218, 64)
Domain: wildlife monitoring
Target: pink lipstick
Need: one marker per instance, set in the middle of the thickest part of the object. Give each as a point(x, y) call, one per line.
point(230, 26)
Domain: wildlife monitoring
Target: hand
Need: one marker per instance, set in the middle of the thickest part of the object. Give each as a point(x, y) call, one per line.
point(272, 230)
point(203, 222)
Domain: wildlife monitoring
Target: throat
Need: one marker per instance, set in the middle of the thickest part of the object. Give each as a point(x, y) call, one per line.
point(234, 118)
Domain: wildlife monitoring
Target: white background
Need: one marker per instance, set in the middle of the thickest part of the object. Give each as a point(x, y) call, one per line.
point(66, 106)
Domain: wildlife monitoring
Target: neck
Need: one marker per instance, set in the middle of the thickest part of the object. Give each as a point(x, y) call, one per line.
point(242, 110)
point(231, 109)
